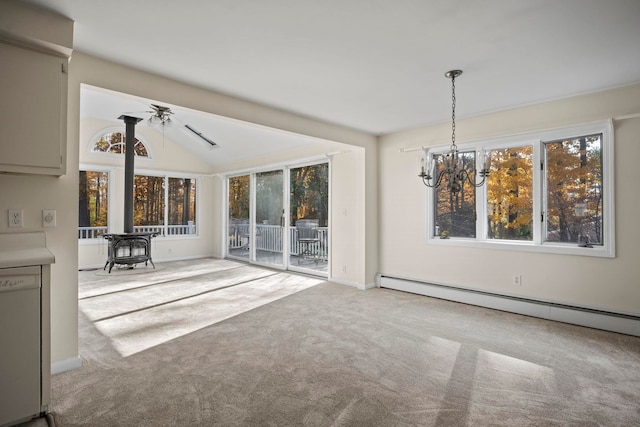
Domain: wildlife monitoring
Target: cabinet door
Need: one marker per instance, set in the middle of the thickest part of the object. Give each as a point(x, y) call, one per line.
point(33, 88)
point(20, 343)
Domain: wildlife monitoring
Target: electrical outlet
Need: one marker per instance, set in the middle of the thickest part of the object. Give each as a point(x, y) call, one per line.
point(517, 280)
point(15, 218)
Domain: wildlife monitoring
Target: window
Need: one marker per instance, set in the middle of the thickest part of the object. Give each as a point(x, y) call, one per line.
point(547, 192)
point(455, 212)
point(166, 205)
point(510, 194)
point(114, 143)
point(162, 204)
point(182, 205)
point(94, 204)
point(148, 203)
point(574, 190)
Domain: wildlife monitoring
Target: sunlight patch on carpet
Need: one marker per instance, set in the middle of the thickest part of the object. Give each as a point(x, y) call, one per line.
point(140, 330)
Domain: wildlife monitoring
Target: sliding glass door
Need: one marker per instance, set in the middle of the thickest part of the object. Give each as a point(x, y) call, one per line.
point(309, 217)
point(292, 232)
point(238, 222)
point(269, 218)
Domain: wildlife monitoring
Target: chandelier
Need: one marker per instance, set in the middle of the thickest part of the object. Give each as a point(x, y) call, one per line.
point(450, 168)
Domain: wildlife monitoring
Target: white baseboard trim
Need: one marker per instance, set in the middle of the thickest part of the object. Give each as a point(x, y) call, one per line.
point(597, 319)
point(368, 286)
point(66, 365)
point(350, 283)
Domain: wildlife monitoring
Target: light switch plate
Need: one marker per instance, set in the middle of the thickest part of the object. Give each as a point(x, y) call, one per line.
point(15, 218)
point(48, 217)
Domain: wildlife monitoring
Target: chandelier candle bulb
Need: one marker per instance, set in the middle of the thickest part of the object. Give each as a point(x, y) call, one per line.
point(487, 160)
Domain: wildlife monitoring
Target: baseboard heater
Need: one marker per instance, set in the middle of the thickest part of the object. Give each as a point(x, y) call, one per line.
point(592, 318)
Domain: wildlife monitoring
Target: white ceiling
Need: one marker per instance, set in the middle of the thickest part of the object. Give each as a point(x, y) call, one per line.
point(237, 141)
point(372, 65)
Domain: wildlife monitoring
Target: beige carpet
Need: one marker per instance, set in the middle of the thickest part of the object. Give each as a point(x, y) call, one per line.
point(331, 355)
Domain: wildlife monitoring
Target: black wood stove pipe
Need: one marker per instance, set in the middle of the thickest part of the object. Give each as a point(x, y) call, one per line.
point(129, 159)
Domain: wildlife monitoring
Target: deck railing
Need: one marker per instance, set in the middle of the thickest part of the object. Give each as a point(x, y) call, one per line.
point(91, 232)
point(169, 230)
point(269, 239)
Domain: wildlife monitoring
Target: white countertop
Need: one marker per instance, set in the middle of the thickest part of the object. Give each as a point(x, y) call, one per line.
point(24, 249)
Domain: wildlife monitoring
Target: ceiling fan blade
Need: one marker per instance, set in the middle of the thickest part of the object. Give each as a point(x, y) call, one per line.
point(138, 112)
point(160, 109)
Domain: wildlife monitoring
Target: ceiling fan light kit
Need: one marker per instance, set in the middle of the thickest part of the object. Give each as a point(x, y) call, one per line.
point(161, 116)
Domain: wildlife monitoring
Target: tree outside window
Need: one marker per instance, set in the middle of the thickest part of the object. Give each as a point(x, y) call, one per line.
point(574, 190)
point(239, 187)
point(309, 186)
point(148, 201)
point(455, 213)
point(114, 142)
point(510, 194)
point(182, 202)
point(93, 203)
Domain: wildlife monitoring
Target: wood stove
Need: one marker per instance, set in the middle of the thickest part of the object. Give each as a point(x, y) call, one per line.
point(129, 249)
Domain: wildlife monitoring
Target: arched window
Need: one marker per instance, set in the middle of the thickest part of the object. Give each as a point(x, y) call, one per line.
point(114, 142)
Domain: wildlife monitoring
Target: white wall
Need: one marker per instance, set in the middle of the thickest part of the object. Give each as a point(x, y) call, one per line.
point(608, 284)
point(348, 233)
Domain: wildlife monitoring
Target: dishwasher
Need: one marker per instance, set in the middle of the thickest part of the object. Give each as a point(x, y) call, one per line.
point(20, 344)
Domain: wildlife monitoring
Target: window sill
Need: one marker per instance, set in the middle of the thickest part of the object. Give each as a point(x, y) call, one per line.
point(550, 248)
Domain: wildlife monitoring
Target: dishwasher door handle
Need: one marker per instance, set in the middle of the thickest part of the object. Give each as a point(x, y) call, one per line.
point(18, 282)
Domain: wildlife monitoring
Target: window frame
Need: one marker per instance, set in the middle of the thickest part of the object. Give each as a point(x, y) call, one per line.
point(172, 174)
point(537, 244)
point(111, 170)
point(110, 185)
point(121, 130)
point(196, 183)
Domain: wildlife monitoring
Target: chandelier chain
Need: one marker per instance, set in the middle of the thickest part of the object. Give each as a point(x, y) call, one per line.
point(453, 112)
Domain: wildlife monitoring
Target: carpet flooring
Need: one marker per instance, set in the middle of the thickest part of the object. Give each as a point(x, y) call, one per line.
point(176, 347)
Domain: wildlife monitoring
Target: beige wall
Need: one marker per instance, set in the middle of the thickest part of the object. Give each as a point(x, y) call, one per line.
point(348, 241)
point(609, 284)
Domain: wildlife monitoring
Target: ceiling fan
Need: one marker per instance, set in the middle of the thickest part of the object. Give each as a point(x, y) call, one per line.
point(161, 117)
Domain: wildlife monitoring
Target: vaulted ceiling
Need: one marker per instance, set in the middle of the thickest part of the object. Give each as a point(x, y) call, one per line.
point(371, 65)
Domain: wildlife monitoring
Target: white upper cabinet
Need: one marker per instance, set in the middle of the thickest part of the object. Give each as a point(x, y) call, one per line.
point(33, 111)
point(35, 47)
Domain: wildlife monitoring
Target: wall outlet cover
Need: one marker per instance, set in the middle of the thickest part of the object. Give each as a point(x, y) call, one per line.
point(48, 217)
point(15, 218)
